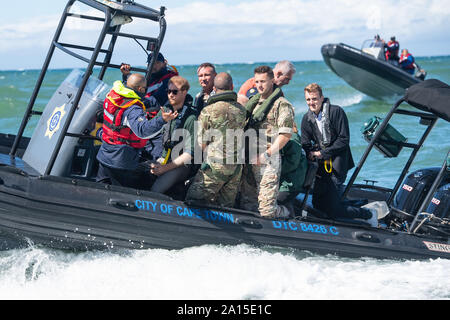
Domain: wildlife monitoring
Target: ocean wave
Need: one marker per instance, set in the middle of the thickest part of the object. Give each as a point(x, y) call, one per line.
point(241, 272)
point(349, 101)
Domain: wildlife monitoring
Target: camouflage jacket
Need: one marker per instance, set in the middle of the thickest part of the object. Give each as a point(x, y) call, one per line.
point(280, 118)
point(221, 125)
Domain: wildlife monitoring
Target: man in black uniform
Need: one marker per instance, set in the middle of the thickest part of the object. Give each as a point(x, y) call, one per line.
point(325, 137)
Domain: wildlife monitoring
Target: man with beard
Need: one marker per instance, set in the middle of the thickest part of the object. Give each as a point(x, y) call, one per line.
point(173, 168)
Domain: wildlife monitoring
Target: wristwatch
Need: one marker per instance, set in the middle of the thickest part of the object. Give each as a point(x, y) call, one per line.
point(266, 156)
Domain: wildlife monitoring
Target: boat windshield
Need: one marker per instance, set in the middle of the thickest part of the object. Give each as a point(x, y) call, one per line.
point(372, 43)
point(374, 48)
point(94, 87)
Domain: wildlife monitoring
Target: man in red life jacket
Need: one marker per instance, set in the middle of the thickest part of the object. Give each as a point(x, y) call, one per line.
point(156, 94)
point(407, 62)
point(125, 133)
point(392, 50)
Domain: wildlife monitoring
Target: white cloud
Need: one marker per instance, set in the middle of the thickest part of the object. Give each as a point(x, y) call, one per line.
point(258, 30)
point(316, 15)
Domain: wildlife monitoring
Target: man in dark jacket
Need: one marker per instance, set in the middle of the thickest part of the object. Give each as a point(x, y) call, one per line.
point(155, 98)
point(156, 94)
point(326, 136)
point(125, 133)
point(175, 164)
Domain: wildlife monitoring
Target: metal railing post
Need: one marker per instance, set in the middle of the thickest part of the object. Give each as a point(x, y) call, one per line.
point(77, 99)
point(37, 88)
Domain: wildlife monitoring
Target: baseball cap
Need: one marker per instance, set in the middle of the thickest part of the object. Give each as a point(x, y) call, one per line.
point(159, 58)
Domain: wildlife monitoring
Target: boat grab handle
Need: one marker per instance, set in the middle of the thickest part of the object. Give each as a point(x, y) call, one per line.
point(249, 223)
point(120, 204)
point(363, 236)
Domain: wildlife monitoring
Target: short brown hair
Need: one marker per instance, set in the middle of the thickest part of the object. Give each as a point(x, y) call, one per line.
point(314, 87)
point(206, 65)
point(180, 82)
point(265, 69)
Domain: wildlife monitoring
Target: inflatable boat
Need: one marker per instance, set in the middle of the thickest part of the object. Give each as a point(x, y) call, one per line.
point(49, 197)
point(367, 70)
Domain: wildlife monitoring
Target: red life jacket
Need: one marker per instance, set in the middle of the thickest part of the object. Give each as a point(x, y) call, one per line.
point(404, 58)
point(154, 86)
point(114, 132)
point(392, 51)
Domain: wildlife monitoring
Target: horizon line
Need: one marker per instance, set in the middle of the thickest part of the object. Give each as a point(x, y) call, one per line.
point(217, 64)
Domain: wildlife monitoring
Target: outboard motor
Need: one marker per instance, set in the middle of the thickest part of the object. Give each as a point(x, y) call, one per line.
point(420, 74)
point(53, 119)
point(440, 204)
point(415, 188)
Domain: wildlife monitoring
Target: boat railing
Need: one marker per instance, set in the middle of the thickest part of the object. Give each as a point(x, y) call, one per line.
point(427, 119)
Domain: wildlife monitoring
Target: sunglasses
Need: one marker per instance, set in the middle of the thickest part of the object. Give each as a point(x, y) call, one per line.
point(175, 92)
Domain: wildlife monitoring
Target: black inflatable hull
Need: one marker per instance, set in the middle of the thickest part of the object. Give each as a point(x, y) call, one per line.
point(375, 78)
point(81, 215)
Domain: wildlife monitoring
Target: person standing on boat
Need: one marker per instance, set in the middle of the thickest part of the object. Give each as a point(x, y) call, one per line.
point(284, 71)
point(378, 42)
point(392, 50)
point(407, 62)
point(206, 73)
point(156, 94)
point(125, 132)
point(218, 180)
point(325, 136)
point(271, 118)
point(175, 164)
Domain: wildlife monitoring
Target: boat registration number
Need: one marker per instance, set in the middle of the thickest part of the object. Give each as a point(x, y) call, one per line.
point(305, 227)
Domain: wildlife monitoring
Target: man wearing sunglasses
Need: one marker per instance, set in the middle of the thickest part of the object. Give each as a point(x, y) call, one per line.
point(174, 165)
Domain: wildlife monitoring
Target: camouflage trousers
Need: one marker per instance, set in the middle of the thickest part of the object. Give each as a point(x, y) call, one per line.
point(216, 184)
point(260, 188)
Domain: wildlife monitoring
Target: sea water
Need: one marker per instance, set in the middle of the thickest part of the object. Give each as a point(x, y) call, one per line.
point(233, 272)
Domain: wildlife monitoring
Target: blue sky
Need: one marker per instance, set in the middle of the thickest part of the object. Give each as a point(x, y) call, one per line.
point(230, 31)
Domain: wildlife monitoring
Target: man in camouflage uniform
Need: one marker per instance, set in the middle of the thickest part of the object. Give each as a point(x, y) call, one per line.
point(271, 117)
point(221, 128)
